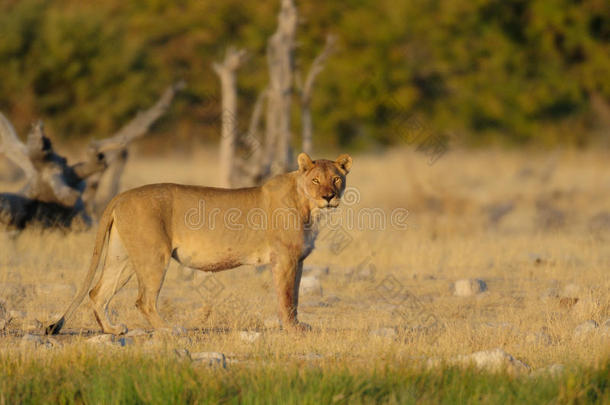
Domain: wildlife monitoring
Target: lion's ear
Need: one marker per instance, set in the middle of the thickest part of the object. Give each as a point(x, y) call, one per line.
point(344, 162)
point(305, 162)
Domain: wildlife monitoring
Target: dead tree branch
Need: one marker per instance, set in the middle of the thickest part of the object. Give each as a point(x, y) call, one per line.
point(14, 149)
point(314, 70)
point(280, 60)
point(226, 71)
point(59, 194)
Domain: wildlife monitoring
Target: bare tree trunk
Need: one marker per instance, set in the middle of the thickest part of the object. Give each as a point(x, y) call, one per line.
point(280, 59)
point(250, 165)
point(316, 67)
point(228, 82)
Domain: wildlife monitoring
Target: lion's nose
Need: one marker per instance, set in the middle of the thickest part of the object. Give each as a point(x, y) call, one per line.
point(329, 196)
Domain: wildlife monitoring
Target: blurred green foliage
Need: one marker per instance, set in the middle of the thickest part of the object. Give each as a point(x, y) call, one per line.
point(514, 71)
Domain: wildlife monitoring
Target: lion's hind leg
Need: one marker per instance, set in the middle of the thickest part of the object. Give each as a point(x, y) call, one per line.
point(116, 273)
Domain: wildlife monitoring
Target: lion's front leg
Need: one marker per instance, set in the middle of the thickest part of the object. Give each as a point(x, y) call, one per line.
point(287, 277)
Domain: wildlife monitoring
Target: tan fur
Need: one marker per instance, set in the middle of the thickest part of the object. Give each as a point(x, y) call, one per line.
point(211, 229)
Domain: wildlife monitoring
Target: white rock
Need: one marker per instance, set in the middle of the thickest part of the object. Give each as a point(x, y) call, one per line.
point(389, 333)
point(210, 359)
point(311, 285)
point(469, 287)
point(493, 360)
point(249, 336)
point(111, 340)
point(585, 328)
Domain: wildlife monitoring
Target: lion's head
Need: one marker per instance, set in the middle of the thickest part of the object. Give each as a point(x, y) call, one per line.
point(323, 181)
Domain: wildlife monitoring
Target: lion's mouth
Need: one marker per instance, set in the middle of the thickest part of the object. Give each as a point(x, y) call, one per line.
point(329, 204)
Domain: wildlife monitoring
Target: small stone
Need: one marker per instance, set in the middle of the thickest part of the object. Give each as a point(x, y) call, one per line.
point(2, 324)
point(311, 285)
point(493, 360)
point(585, 328)
point(124, 341)
point(104, 338)
point(111, 340)
point(214, 359)
point(389, 333)
point(249, 336)
point(469, 287)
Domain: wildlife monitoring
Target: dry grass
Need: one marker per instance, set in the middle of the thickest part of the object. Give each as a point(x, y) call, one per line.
point(553, 236)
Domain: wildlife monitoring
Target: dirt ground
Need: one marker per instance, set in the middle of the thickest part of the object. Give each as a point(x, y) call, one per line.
point(528, 231)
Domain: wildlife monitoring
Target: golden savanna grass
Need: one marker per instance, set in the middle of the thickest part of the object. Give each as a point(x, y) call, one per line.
point(534, 226)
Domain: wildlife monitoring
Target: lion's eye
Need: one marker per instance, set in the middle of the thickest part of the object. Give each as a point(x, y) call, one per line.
point(316, 181)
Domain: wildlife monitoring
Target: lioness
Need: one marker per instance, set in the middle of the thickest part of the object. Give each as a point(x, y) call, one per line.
point(210, 229)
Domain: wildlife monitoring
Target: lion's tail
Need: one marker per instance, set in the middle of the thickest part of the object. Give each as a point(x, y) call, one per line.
point(101, 241)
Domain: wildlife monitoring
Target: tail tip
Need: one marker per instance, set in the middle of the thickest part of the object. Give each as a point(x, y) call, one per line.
point(54, 328)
